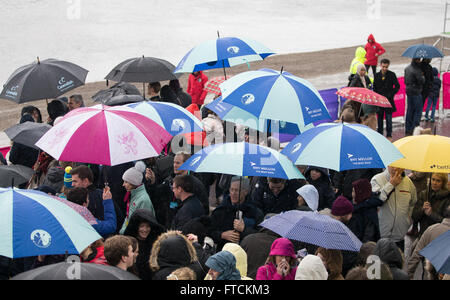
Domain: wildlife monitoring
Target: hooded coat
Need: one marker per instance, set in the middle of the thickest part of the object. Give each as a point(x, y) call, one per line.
point(138, 199)
point(145, 246)
point(54, 178)
point(282, 247)
point(436, 87)
point(323, 186)
point(172, 251)
point(391, 255)
point(311, 268)
point(414, 79)
point(21, 154)
point(195, 88)
point(241, 258)
point(224, 262)
point(360, 58)
point(373, 51)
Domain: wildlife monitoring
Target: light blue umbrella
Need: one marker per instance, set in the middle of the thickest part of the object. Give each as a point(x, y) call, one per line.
point(33, 223)
point(222, 53)
point(172, 117)
point(284, 131)
point(242, 159)
point(274, 95)
point(313, 228)
point(438, 253)
point(422, 51)
point(341, 147)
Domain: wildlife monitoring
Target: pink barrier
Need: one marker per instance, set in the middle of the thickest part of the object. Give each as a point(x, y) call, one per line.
point(446, 90)
point(400, 99)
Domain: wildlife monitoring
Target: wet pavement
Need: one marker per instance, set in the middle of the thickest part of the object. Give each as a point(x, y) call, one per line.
point(442, 127)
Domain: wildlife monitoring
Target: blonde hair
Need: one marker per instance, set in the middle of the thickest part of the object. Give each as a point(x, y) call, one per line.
point(444, 178)
point(182, 274)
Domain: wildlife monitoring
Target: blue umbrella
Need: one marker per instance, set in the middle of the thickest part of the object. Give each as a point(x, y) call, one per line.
point(33, 223)
point(422, 51)
point(341, 147)
point(222, 53)
point(231, 113)
point(313, 228)
point(438, 253)
point(173, 118)
point(242, 159)
point(274, 95)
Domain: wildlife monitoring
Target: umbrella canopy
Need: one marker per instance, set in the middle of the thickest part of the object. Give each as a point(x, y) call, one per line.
point(222, 53)
point(341, 147)
point(212, 86)
point(20, 174)
point(172, 117)
point(123, 100)
point(121, 88)
point(143, 69)
point(82, 210)
point(45, 79)
point(27, 133)
point(424, 153)
point(104, 135)
point(85, 271)
point(438, 253)
point(313, 228)
point(364, 96)
point(33, 223)
point(242, 159)
point(269, 94)
point(422, 51)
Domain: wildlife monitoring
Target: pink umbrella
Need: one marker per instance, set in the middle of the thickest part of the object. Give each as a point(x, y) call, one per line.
point(83, 211)
point(104, 135)
point(364, 96)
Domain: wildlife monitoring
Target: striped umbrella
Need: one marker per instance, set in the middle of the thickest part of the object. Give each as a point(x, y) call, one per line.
point(274, 95)
point(313, 228)
point(222, 53)
point(172, 117)
point(33, 223)
point(341, 147)
point(104, 135)
point(242, 159)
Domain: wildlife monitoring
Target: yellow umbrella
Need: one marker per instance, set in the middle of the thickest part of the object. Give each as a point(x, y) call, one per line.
point(424, 153)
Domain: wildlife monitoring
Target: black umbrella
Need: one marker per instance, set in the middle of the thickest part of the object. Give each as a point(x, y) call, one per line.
point(76, 271)
point(20, 174)
point(45, 79)
point(27, 133)
point(121, 88)
point(124, 99)
point(143, 69)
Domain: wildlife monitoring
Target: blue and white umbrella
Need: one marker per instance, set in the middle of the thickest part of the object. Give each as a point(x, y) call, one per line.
point(341, 147)
point(313, 228)
point(422, 51)
point(242, 159)
point(172, 117)
point(231, 113)
point(33, 223)
point(275, 95)
point(222, 53)
point(438, 253)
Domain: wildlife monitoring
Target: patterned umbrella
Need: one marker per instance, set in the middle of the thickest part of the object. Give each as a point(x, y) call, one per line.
point(313, 228)
point(364, 96)
point(212, 86)
point(82, 210)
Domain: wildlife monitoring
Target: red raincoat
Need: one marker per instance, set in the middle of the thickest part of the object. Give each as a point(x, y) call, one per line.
point(373, 51)
point(195, 88)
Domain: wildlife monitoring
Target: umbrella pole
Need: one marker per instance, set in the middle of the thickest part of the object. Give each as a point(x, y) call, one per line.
point(143, 89)
point(223, 62)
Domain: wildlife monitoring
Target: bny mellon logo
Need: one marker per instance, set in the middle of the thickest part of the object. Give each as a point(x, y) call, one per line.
point(349, 155)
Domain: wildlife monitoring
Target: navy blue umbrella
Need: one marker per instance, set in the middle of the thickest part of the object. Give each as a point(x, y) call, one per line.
point(438, 253)
point(313, 228)
point(422, 51)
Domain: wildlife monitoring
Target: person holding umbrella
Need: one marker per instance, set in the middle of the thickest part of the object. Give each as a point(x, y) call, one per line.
point(414, 81)
point(153, 91)
point(21, 154)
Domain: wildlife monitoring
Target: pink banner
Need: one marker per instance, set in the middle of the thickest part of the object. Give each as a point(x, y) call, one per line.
point(400, 99)
point(446, 90)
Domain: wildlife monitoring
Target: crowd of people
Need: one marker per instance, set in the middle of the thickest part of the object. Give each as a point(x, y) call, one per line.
point(159, 222)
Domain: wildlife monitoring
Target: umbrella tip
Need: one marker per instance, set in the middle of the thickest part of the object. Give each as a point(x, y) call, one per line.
point(218, 34)
point(39, 62)
point(282, 67)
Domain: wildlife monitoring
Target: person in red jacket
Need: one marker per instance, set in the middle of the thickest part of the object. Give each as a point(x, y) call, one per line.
point(196, 84)
point(373, 51)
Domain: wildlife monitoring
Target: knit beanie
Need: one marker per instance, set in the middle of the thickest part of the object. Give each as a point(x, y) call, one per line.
point(341, 207)
point(68, 177)
point(363, 190)
point(135, 174)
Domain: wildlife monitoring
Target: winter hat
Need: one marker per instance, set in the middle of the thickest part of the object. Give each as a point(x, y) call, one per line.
point(68, 177)
point(341, 207)
point(311, 196)
point(135, 174)
point(363, 190)
point(311, 268)
point(282, 247)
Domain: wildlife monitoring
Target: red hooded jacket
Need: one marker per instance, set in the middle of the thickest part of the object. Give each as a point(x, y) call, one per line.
point(195, 87)
point(373, 51)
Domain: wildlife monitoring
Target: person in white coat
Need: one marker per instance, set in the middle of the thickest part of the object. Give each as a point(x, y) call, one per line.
point(311, 268)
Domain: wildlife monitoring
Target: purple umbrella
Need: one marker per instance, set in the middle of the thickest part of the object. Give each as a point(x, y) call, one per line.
point(313, 228)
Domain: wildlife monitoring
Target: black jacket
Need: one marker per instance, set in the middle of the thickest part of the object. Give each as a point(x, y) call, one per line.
point(21, 154)
point(343, 180)
point(323, 186)
point(145, 246)
point(387, 85)
point(414, 79)
point(390, 254)
point(364, 222)
point(427, 70)
point(436, 88)
point(222, 219)
point(190, 208)
point(184, 98)
point(95, 205)
point(356, 82)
